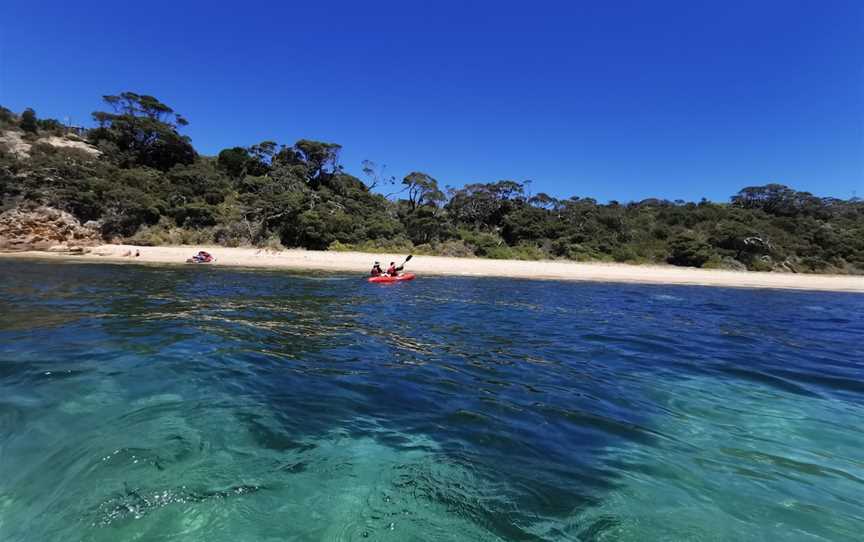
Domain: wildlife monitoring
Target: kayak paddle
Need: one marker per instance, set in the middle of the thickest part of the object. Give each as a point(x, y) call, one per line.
point(408, 259)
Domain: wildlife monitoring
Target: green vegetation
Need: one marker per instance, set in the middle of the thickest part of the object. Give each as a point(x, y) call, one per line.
point(149, 186)
point(28, 121)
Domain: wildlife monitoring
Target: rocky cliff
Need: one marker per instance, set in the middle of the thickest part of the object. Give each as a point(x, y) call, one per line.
point(44, 228)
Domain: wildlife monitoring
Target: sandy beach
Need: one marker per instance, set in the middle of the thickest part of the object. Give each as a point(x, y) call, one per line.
point(437, 265)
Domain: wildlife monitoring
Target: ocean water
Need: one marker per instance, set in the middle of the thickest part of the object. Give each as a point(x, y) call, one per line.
point(206, 404)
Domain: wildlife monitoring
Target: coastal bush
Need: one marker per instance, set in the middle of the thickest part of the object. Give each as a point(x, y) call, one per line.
point(51, 127)
point(502, 252)
point(233, 234)
point(576, 251)
point(623, 254)
point(165, 232)
point(399, 245)
point(28, 121)
point(454, 248)
point(272, 243)
point(688, 249)
point(337, 246)
point(527, 251)
point(724, 262)
point(485, 244)
point(7, 118)
point(149, 186)
point(150, 236)
point(194, 215)
point(813, 264)
point(763, 263)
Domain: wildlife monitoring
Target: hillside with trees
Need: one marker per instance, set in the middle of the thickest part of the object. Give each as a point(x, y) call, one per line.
point(138, 179)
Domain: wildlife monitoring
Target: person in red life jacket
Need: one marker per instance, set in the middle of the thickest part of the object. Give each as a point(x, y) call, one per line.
point(376, 270)
point(393, 271)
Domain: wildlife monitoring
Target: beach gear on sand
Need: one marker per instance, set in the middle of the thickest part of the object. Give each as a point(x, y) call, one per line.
point(201, 257)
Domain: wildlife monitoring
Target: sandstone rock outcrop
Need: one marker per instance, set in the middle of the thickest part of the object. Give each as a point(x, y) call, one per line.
point(15, 143)
point(45, 228)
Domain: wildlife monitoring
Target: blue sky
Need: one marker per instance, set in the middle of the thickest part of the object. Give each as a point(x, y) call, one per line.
point(613, 100)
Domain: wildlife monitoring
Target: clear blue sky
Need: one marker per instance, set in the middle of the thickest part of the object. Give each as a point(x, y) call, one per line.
point(614, 100)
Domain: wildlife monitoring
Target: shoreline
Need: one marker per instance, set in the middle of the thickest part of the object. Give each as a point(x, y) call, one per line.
point(359, 262)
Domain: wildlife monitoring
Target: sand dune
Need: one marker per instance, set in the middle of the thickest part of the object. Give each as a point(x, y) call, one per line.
point(436, 265)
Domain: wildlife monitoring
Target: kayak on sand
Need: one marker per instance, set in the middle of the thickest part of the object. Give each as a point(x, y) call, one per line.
point(388, 278)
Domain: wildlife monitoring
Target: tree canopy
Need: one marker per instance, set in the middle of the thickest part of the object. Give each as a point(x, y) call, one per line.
point(28, 121)
point(142, 131)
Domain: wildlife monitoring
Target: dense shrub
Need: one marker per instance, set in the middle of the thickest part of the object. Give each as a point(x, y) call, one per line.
point(688, 249)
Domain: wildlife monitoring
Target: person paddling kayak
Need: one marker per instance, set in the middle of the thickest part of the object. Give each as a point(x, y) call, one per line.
point(393, 271)
point(392, 274)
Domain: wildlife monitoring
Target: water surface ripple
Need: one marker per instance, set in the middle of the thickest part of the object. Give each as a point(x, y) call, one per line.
point(185, 403)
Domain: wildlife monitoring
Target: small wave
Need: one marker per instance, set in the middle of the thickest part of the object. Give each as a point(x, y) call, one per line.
point(666, 297)
point(136, 503)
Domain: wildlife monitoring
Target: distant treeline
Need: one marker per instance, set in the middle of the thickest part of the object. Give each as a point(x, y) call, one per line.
point(150, 186)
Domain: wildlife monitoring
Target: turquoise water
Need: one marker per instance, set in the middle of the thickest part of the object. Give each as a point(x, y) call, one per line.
point(208, 404)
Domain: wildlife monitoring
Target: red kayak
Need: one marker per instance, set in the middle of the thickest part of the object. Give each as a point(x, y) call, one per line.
point(387, 278)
